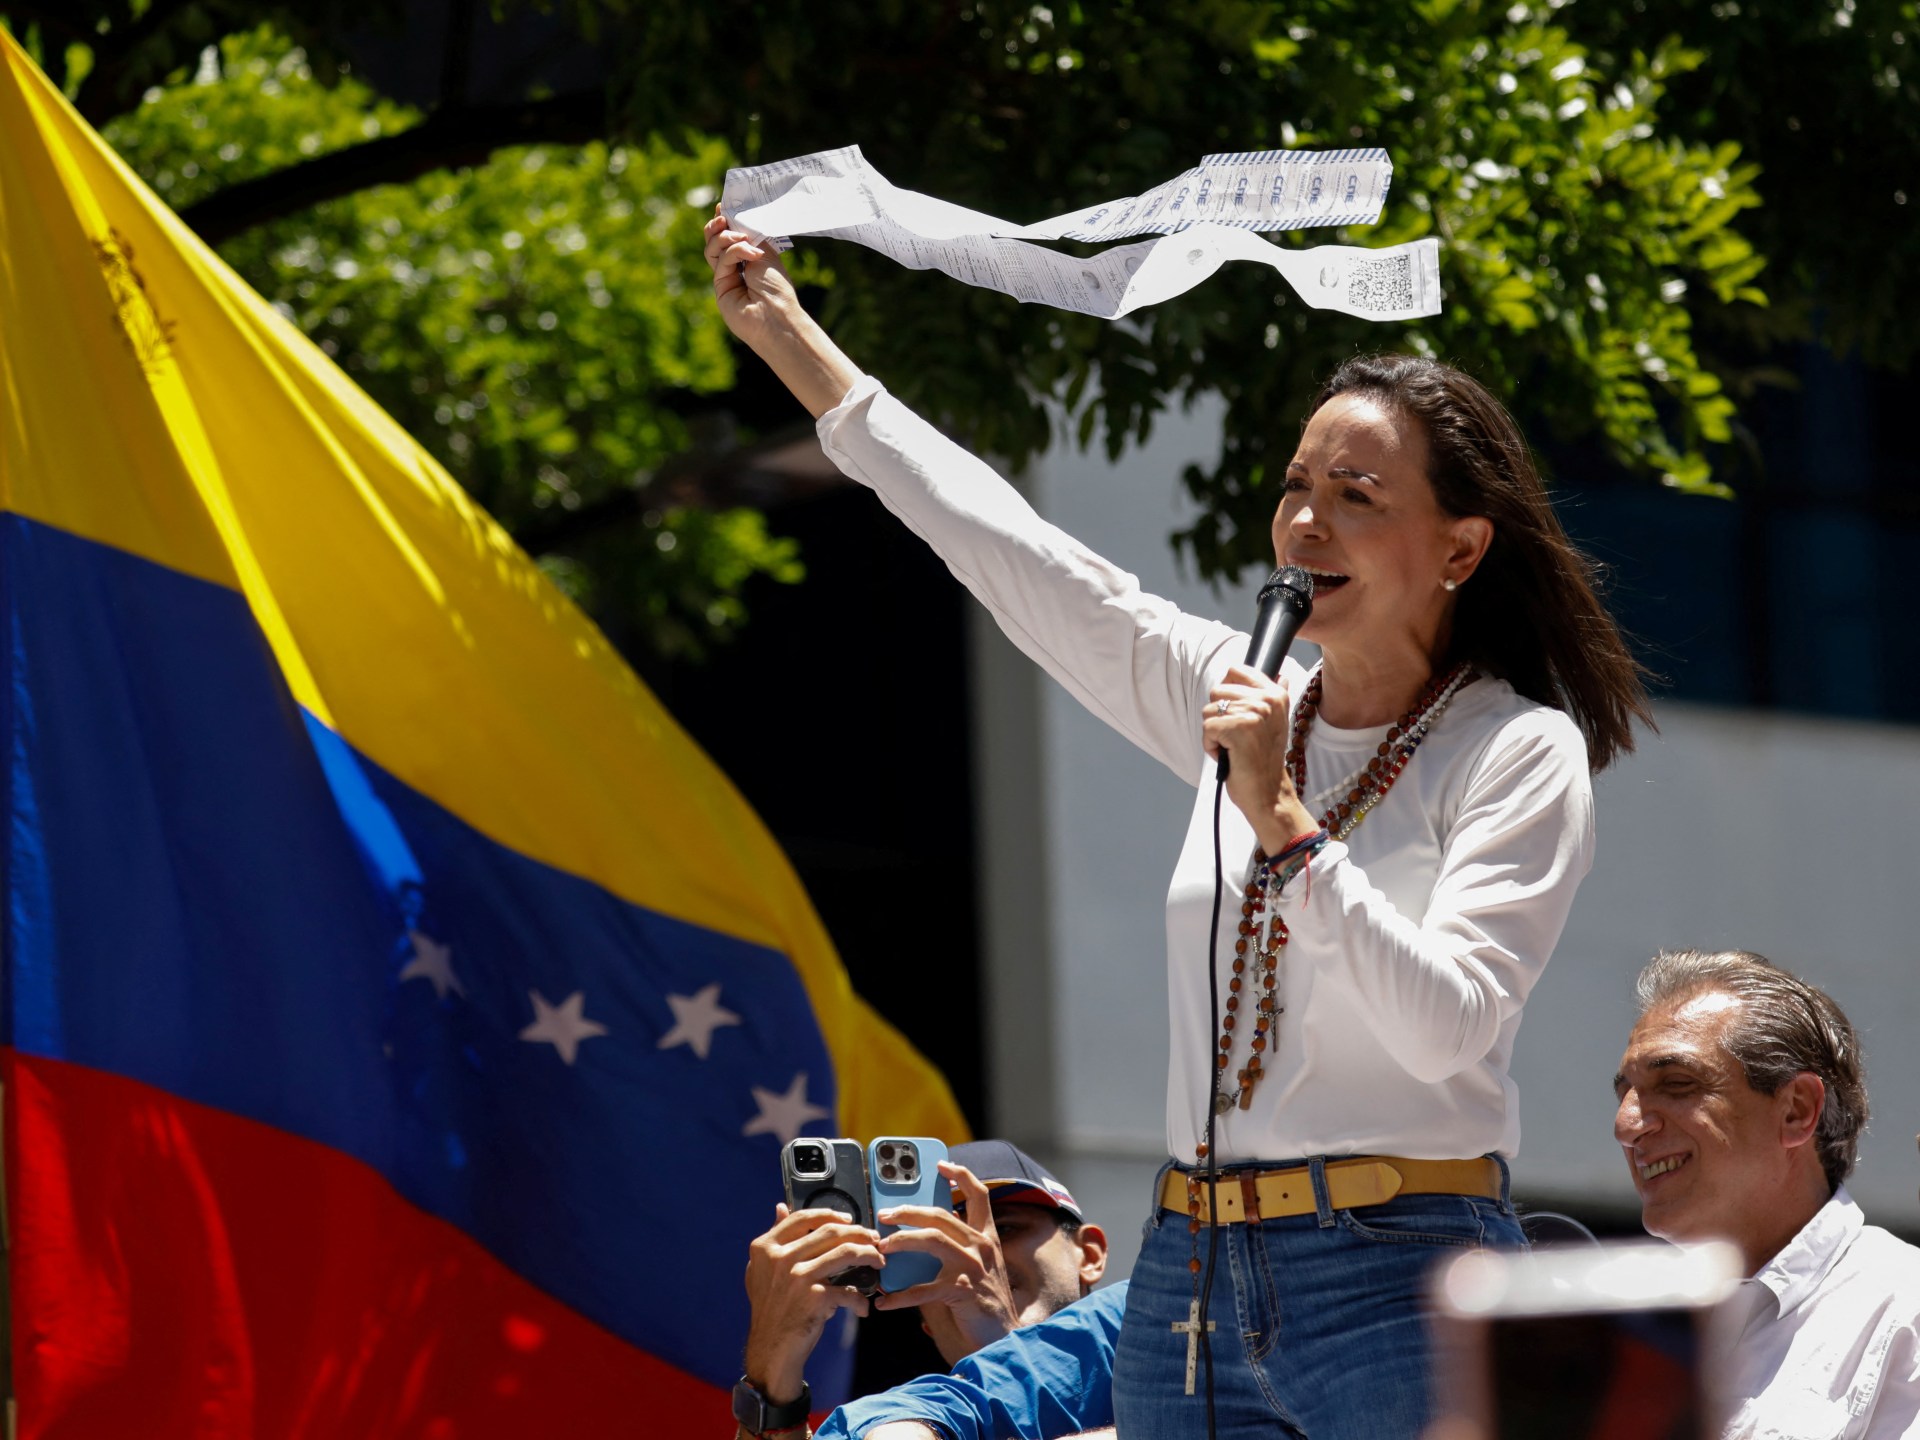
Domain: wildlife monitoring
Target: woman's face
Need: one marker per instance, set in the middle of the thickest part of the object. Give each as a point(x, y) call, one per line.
point(1361, 517)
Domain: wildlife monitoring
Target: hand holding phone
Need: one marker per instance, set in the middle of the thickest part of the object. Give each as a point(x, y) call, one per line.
point(969, 1303)
point(793, 1284)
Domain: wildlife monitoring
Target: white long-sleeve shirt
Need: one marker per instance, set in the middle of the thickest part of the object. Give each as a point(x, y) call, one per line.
point(1415, 943)
point(1826, 1337)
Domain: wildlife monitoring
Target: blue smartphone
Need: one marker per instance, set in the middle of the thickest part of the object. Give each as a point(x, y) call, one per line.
point(904, 1170)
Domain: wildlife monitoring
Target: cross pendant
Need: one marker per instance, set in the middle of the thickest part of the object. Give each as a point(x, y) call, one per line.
point(1192, 1330)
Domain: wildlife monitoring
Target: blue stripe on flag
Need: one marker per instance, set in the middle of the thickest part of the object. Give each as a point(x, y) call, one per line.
point(210, 893)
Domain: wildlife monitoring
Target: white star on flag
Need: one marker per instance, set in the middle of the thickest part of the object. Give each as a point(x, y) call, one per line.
point(432, 962)
point(561, 1026)
point(784, 1116)
point(696, 1017)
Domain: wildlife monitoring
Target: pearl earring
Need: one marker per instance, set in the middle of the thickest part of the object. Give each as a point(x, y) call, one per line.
point(1449, 584)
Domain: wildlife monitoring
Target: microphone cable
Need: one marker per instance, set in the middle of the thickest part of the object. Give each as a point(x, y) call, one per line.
point(1212, 1172)
point(1285, 602)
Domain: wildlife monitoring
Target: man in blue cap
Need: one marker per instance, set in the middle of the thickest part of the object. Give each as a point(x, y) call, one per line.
point(1017, 1251)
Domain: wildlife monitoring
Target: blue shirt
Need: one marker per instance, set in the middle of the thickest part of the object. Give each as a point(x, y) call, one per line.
point(1041, 1382)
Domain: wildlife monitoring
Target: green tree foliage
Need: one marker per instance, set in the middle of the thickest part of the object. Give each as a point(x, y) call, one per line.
point(1574, 226)
point(537, 321)
point(1825, 100)
point(1589, 166)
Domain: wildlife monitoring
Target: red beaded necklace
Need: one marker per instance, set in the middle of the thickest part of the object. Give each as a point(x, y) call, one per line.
point(1369, 788)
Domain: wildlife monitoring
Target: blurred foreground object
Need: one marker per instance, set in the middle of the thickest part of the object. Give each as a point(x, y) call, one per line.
point(1597, 1342)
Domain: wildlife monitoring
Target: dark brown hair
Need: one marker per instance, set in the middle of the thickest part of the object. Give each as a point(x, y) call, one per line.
point(1530, 613)
point(1783, 1028)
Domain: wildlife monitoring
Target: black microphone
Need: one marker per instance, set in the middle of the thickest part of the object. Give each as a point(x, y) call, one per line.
point(1285, 602)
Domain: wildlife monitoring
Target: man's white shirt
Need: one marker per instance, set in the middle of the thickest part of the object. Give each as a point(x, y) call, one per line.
point(1826, 1337)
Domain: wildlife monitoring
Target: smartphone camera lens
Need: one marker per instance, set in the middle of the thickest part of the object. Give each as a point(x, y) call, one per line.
point(886, 1151)
point(888, 1172)
point(907, 1164)
point(809, 1160)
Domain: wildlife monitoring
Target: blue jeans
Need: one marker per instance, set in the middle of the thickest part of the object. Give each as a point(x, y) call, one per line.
point(1319, 1321)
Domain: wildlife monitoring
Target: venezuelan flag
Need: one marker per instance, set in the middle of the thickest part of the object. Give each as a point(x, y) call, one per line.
point(402, 1016)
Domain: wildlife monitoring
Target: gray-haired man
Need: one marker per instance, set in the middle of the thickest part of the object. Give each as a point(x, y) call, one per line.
point(1740, 1111)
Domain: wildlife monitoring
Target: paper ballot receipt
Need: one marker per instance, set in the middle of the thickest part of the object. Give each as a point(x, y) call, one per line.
point(1201, 219)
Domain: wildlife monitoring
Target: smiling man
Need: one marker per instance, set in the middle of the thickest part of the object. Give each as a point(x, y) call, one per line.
point(1740, 1110)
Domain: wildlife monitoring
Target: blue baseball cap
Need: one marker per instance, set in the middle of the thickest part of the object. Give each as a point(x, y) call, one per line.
point(1013, 1177)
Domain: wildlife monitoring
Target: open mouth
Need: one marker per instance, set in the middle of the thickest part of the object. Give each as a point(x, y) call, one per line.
point(1324, 581)
point(1662, 1167)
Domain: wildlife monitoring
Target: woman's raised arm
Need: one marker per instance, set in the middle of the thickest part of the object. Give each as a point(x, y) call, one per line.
point(1133, 659)
point(758, 302)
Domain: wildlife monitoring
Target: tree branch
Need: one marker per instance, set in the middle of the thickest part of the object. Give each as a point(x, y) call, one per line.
point(447, 139)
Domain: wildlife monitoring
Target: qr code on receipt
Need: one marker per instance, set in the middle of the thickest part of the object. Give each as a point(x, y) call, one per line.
point(1382, 285)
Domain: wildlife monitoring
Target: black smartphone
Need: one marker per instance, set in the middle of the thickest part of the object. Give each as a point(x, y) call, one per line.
point(831, 1174)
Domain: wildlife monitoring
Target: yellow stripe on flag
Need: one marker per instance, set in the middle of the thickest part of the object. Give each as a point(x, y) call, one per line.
point(156, 404)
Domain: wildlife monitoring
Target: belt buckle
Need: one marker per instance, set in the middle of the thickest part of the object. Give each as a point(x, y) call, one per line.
point(1212, 1204)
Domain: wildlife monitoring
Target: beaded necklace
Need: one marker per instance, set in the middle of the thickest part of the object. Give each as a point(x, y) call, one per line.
point(1258, 903)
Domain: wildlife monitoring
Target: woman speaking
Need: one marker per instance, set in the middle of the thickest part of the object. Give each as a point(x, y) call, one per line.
point(1409, 822)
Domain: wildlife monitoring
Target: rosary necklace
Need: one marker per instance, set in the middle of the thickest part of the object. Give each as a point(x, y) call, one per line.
point(1262, 933)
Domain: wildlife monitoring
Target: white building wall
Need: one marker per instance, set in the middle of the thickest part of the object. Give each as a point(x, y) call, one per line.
point(1787, 835)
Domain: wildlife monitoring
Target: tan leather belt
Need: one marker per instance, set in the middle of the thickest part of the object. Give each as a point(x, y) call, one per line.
point(1351, 1184)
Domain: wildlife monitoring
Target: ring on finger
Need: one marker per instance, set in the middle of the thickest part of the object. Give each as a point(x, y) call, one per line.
point(1222, 707)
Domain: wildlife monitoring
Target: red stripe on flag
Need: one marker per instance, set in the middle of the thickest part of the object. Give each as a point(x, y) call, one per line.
point(179, 1271)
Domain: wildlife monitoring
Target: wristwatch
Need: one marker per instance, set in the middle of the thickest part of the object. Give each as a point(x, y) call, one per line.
point(758, 1415)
